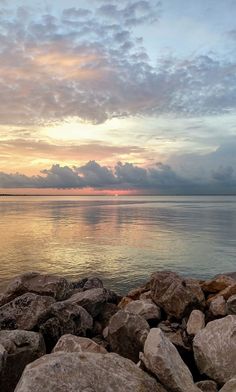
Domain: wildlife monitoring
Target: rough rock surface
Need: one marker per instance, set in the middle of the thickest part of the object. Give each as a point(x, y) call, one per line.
point(215, 349)
point(170, 292)
point(127, 333)
point(24, 312)
point(196, 322)
point(85, 372)
point(218, 306)
point(219, 283)
point(71, 343)
point(207, 386)
point(64, 318)
point(33, 282)
point(91, 300)
point(231, 305)
point(230, 386)
point(22, 347)
point(146, 309)
point(3, 355)
point(161, 358)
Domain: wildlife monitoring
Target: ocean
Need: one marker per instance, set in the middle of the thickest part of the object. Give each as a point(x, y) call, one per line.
point(121, 239)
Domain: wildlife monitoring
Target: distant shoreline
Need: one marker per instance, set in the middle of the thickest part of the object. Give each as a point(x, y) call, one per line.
point(115, 196)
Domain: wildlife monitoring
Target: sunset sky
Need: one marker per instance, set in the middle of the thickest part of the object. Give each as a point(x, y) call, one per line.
point(129, 96)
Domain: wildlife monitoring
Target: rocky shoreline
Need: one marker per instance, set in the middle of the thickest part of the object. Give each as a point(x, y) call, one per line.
point(173, 334)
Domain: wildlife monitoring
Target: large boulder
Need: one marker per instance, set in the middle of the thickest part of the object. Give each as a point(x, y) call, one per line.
point(196, 322)
point(218, 307)
point(127, 333)
point(215, 349)
point(219, 283)
point(71, 343)
point(161, 358)
point(173, 294)
point(22, 347)
point(80, 372)
point(64, 318)
point(33, 282)
point(24, 312)
point(92, 300)
point(146, 309)
point(230, 386)
point(231, 305)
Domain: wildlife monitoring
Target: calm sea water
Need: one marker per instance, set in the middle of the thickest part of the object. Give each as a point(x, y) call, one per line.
point(120, 239)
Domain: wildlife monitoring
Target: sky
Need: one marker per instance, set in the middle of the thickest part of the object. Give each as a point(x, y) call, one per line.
point(123, 97)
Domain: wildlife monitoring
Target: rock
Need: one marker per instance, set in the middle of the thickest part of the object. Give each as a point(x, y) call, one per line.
point(3, 355)
point(196, 322)
point(135, 293)
point(218, 306)
point(91, 300)
point(71, 343)
point(21, 348)
point(125, 301)
point(146, 295)
point(230, 386)
point(231, 305)
point(226, 293)
point(33, 282)
point(127, 333)
point(145, 309)
point(24, 312)
point(170, 292)
point(219, 283)
point(85, 372)
point(161, 358)
point(64, 318)
point(215, 349)
point(93, 283)
point(207, 386)
point(109, 309)
point(195, 287)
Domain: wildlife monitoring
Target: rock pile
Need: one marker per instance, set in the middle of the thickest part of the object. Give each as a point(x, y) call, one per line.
point(173, 334)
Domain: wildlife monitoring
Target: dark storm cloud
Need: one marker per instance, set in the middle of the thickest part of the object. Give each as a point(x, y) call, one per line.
point(90, 64)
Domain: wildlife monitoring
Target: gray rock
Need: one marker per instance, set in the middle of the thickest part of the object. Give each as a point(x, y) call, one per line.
point(91, 300)
point(24, 312)
point(147, 310)
point(71, 343)
point(85, 372)
point(21, 348)
point(161, 358)
point(127, 333)
point(231, 305)
point(207, 386)
point(3, 355)
point(196, 322)
point(215, 349)
point(218, 306)
point(230, 386)
point(93, 283)
point(33, 282)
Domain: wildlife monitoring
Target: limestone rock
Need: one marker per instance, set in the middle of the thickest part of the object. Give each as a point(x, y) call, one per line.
point(127, 333)
point(24, 312)
point(64, 318)
point(145, 309)
point(33, 282)
point(215, 349)
point(71, 343)
point(161, 358)
point(85, 372)
point(91, 300)
point(219, 283)
point(207, 386)
point(196, 322)
point(231, 305)
point(170, 292)
point(22, 347)
point(218, 306)
point(230, 386)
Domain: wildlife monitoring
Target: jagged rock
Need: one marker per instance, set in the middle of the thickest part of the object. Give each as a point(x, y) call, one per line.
point(231, 305)
point(71, 343)
point(21, 348)
point(93, 283)
point(146, 295)
point(215, 349)
point(3, 355)
point(64, 318)
point(33, 282)
point(109, 309)
point(80, 372)
point(196, 322)
point(161, 358)
point(195, 287)
point(127, 333)
point(135, 293)
point(230, 386)
point(218, 306)
point(24, 312)
point(170, 292)
point(145, 309)
point(226, 293)
point(91, 300)
point(207, 386)
point(125, 301)
point(219, 283)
